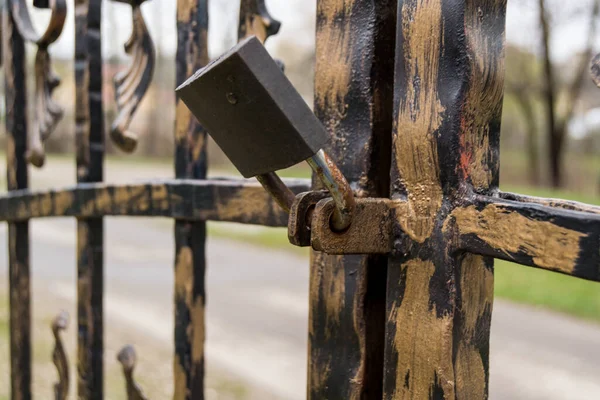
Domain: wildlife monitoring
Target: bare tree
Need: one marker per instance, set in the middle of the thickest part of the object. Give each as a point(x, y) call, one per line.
point(522, 86)
point(557, 119)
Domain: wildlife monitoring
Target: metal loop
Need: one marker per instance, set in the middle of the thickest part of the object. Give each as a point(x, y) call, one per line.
point(338, 187)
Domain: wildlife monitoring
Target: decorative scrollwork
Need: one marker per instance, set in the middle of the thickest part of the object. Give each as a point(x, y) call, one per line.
point(132, 83)
point(256, 20)
point(595, 70)
point(127, 358)
point(47, 112)
point(59, 357)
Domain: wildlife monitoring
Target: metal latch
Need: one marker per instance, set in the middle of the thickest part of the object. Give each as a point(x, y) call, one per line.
point(262, 124)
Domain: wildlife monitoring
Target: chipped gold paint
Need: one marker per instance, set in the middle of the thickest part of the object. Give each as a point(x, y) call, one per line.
point(470, 374)
point(198, 339)
point(328, 283)
point(419, 118)
point(423, 341)
point(484, 98)
point(183, 118)
point(477, 294)
point(62, 202)
point(104, 202)
point(334, 52)
point(139, 198)
point(551, 246)
point(121, 199)
point(256, 25)
point(185, 9)
point(477, 291)
point(180, 379)
point(160, 197)
point(46, 206)
point(34, 208)
point(88, 208)
point(244, 202)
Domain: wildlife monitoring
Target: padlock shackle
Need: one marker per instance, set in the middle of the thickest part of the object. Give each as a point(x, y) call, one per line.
point(338, 187)
point(282, 194)
point(333, 180)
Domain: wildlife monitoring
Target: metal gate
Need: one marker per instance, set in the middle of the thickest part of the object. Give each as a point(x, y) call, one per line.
point(411, 94)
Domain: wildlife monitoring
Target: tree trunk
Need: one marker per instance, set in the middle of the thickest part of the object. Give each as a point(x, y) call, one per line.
point(532, 146)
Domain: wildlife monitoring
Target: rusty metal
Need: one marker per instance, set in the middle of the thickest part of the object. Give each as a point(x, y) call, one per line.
point(369, 233)
point(339, 189)
point(277, 189)
point(128, 359)
point(132, 83)
point(59, 357)
point(47, 112)
point(300, 218)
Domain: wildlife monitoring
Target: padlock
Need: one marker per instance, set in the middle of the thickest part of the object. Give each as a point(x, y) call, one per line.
point(252, 111)
point(262, 124)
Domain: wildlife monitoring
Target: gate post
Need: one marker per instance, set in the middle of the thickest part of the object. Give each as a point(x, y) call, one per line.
point(448, 100)
point(89, 137)
point(13, 48)
point(353, 99)
point(190, 236)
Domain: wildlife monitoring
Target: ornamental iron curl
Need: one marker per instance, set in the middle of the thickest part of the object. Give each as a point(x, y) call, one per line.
point(59, 357)
point(595, 70)
point(132, 83)
point(128, 358)
point(256, 20)
point(47, 112)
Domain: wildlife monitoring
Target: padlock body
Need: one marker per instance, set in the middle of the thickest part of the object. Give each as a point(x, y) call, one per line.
point(252, 111)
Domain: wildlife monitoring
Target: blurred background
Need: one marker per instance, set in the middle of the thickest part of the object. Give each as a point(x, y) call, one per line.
point(546, 336)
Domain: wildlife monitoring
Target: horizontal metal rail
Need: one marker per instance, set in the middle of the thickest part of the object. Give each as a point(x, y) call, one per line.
point(227, 200)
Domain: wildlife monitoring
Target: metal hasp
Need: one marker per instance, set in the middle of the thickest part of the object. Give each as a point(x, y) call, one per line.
point(262, 124)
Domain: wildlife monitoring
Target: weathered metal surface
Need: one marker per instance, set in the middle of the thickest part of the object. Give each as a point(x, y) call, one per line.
point(276, 188)
point(89, 137)
point(530, 234)
point(255, 20)
point(215, 200)
point(190, 237)
point(252, 111)
point(59, 357)
point(132, 83)
point(555, 203)
point(595, 70)
point(353, 97)
point(369, 233)
point(18, 233)
point(339, 189)
point(47, 112)
point(448, 104)
point(300, 217)
point(128, 359)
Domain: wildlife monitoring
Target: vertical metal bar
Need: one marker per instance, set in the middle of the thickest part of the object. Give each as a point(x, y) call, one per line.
point(89, 131)
point(353, 99)
point(190, 237)
point(448, 105)
point(18, 233)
